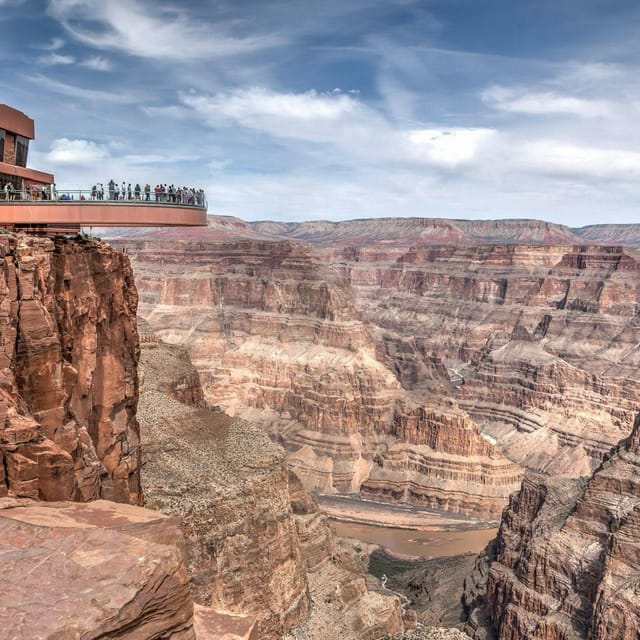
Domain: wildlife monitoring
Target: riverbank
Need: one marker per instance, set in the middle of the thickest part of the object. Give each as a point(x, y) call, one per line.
point(351, 509)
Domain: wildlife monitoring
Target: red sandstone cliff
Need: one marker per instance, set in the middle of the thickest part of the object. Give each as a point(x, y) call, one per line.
point(332, 352)
point(68, 379)
point(544, 337)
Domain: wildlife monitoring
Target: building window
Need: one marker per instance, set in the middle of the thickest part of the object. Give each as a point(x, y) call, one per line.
point(2, 135)
point(22, 151)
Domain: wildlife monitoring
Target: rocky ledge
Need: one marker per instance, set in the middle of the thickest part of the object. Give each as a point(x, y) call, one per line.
point(97, 570)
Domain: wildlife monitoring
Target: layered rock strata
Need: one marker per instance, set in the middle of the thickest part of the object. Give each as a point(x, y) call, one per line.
point(541, 341)
point(228, 484)
point(257, 546)
point(68, 380)
point(439, 460)
point(567, 554)
point(97, 570)
point(277, 340)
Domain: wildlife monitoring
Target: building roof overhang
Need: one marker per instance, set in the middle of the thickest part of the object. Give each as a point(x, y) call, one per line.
point(16, 122)
point(38, 177)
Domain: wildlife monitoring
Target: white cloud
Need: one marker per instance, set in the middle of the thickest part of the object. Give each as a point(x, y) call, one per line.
point(348, 131)
point(176, 112)
point(522, 101)
point(56, 59)
point(589, 163)
point(261, 109)
point(54, 45)
point(82, 93)
point(449, 148)
point(97, 63)
point(134, 159)
point(75, 152)
point(591, 72)
point(218, 165)
point(338, 119)
point(149, 31)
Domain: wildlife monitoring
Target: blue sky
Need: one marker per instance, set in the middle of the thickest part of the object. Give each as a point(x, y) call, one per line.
point(295, 110)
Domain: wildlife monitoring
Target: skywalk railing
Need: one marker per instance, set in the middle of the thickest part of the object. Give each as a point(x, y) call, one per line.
point(180, 197)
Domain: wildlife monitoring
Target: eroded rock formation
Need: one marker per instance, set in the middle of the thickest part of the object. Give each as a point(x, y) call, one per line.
point(68, 380)
point(541, 339)
point(331, 349)
point(566, 560)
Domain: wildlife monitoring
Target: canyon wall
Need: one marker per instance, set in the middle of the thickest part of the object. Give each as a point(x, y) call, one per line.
point(333, 349)
point(542, 341)
point(566, 557)
point(277, 339)
point(68, 379)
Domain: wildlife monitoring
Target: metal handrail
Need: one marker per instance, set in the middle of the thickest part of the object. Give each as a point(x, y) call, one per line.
point(89, 196)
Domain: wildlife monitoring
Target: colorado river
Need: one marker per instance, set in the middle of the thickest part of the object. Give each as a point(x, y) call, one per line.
point(417, 543)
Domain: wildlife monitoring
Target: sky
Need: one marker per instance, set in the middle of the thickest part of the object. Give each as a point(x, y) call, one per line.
point(293, 110)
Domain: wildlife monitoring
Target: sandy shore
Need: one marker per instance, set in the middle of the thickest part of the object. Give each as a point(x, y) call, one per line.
point(382, 514)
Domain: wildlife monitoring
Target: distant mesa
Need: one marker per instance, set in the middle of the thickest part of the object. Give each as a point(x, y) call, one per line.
point(31, 202)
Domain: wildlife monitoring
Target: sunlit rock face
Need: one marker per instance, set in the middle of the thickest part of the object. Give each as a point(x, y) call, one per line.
point(277, 338)
point(567, 563)
point(332, 346)
point(68, 379)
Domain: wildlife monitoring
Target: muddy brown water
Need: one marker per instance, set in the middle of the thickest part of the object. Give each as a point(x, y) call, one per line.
point(428, 544)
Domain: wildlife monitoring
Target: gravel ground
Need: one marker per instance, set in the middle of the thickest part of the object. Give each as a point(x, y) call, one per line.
point(213, 455)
